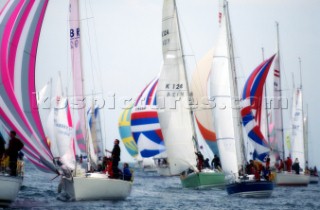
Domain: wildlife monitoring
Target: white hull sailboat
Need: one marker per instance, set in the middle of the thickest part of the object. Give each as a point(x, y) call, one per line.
point(288, 178)
point(84, 186)
point(10, 186)
point(291, 179)
point(95, 186)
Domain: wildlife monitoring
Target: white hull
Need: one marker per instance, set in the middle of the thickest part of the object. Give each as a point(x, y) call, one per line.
point(164, 171)
point(95, 186)
point(292, 179)
point(9, 188)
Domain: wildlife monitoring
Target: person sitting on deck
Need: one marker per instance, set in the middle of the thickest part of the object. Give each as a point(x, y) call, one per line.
point(126, 172)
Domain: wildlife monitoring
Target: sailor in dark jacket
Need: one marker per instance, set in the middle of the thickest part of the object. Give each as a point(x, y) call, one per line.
point(15, 145)
point(115, 158)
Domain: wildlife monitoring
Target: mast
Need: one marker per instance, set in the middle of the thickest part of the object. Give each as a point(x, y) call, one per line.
point(234, 89)
point(78, 74)
point(194, 137)
point(302, 112)
point(278, 92)
point(300, 72)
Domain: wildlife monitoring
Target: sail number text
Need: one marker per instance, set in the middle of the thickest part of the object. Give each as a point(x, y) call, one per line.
point(165, 41)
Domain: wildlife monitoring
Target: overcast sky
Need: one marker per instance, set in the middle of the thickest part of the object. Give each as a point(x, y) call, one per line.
point(125, 52)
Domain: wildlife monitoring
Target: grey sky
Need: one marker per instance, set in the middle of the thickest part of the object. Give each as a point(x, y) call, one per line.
point(125, 39)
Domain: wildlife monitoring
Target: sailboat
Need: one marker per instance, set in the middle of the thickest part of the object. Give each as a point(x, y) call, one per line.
point(20, 25)
point(229, 130)
point(175, 115)
point(286, 178)
point(90, 185)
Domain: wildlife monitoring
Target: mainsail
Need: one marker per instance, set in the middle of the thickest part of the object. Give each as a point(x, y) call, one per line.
point(78, 77)
point(297, 135)
point(20, 26)
point(83, 134)
point(173, 96)
point(224, 93)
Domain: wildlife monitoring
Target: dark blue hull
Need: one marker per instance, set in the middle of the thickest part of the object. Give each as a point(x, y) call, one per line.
point(250, 188)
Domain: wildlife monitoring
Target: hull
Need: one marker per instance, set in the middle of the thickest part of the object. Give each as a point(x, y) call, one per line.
point(149, 169)
point(314, 179)
point(253, 189)
point(95, 186)
point(9, 189)
point(203, 179)
point(291, 179)
point(164, 171)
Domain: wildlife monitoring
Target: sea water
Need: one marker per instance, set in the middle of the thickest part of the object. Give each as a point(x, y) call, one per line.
point(151, 191)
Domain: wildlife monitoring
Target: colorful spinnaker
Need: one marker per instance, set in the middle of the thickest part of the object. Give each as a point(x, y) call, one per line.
point(145, 126)
point(125, 132)
point(21, 23)
point(203, 112)
point(252, 99)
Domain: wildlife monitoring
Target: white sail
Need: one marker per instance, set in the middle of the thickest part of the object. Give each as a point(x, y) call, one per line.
point(96, 130)
point(278, 144)
point(50, 133)
point(305, 136)
point(221, 90)
point(173, 97)
point(63, 129)
point(297, 140)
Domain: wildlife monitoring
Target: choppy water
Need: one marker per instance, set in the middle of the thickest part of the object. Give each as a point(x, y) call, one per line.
point(153, 192)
